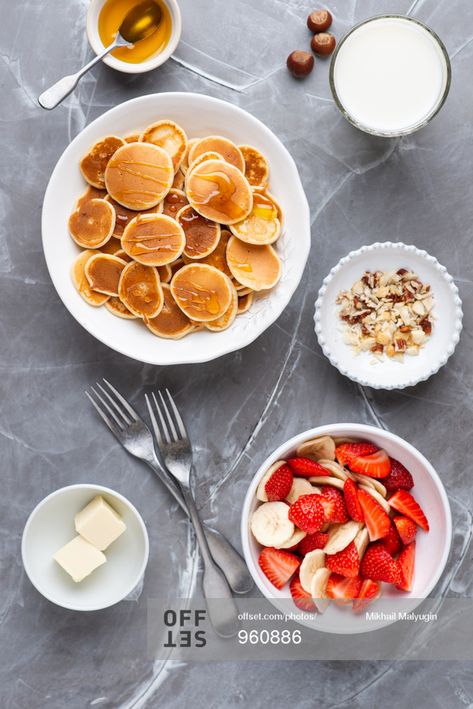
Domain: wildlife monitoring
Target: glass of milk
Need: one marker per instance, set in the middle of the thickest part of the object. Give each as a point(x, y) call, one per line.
point(390, 75)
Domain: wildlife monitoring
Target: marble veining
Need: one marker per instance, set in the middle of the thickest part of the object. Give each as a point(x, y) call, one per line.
point(361, 190)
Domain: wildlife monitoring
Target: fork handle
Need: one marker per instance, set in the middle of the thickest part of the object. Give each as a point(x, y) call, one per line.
point(221, 607)
point(224, 554)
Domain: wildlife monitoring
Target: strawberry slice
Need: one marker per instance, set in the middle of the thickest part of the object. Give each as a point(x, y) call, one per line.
point(376, 519)
point(399, 478)
point(405, 564)
point(333, 504)
point(350, 493)
point(392, 541)
point(307, 513)
point(346, 452)
point(407, 529)
point(403, 502)
point(343, 590)
point(378, 565)
point(279, 484)
point(278, 565)
point(312, 541)
point(301, 598)
point(345, 562)
point(368, 592)
point(306, 468)
point(376, 465)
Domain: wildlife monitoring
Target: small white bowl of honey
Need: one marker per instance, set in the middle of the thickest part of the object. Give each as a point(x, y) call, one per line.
point(104, 17)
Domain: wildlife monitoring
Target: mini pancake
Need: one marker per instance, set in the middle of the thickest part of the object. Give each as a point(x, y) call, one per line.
point(165, 273)
point(91, 193)
point(176, 265)
point(185, 162)
point(220, 145)
point(169, 136)
point(210, 155)
point(82, 284)
point(133, 138)
point(202, 235)
point(93, 165)
point(171, 322)
point(91, 225)
point(241, 290)
point(218, 257)
point(140, 290)
point(123, 216)
point(122, 254)
point(153, 239)
point(256, 267)
point(139, 175)
point(173, 202)
point(202, 292)
point(245, 302)
point(256, 166)
point(113, 247)
point(103, 272)
point(227, 318)
point(275, 202)
point(116, 307)
point(179, 180)
point(262, 225)
point(218, 191)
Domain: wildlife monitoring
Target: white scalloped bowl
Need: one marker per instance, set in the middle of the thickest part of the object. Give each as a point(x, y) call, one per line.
point(389, 374)
point(432, 548)
point(199, 115)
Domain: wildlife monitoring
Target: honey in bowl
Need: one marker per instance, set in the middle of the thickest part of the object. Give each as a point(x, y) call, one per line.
point(112, 15)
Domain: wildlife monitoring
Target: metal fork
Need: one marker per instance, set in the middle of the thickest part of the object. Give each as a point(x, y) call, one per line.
point(176, 451)
point(135, 436)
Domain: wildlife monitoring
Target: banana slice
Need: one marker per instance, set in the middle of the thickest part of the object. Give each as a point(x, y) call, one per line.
point(319, 448)
point(338, 440)
point(311, 562)
point(322, 480)
point(365, 480)
point(379, 498)
point(301, 486)
point(335, 469)
point(318, 589)
point(340, 536)
point(271, 525)
point(295, 539)
point(261, 492)
point(361, 541)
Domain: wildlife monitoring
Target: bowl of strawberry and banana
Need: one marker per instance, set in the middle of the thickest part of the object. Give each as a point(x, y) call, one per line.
point(336, 520)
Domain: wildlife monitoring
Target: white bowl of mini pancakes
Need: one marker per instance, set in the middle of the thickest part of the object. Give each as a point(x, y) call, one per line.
point(199, 116)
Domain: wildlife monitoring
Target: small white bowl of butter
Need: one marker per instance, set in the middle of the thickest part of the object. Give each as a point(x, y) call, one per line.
point(85, 547)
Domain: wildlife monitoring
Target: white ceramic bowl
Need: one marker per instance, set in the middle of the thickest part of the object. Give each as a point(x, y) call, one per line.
point(128, 67)
point(199, 115)
point(51, 524)
point(432, 549)
point(389, 374)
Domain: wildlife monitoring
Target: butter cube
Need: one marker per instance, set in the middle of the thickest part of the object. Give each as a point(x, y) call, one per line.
point(99, 523)
point(79, 558)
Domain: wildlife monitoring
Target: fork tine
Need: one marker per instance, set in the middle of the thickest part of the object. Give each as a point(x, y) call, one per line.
point(156, 428)
point(108, 422)
point(123, 401)
point(169, 420)
point(177, 416)
point(120, 422)
point(123, 414)
point(163, 427)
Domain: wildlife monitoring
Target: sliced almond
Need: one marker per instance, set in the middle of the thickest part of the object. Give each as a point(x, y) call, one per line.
point(322, 480)
point(311, 562)
point(317, 448)
point(318, 589)
point(379, 498)
point(292, 541)
point(340, 536)
point(261, 492)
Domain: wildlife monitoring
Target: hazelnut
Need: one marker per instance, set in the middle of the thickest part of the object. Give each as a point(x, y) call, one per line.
point(319, 21)
point(300, 63)
point(323, 43)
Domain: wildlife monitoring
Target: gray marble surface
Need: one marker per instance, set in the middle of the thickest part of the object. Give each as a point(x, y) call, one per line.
point(239, 408)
